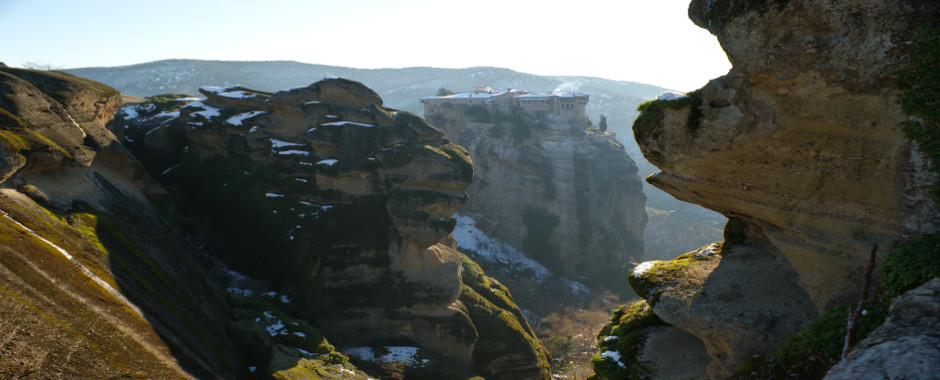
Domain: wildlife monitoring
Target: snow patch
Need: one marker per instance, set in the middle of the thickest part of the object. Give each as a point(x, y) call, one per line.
point(642, 268)
point(329, 162)
point(293, 152)
point(238, 119)
point(469, 237)
point(207, 110)
point(273, 195)
point(613, 355)
point(345, 123)
point(275, 143)
point(237, 95)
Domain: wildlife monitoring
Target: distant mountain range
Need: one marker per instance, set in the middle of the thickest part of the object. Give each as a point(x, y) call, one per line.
point(400, 88)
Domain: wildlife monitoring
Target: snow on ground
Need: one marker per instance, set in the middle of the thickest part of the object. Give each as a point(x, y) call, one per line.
point(345, 123)
point(272, 323)
point(275, 143)
point(492, 249)
point(238, 119)
point(613, 355)
point(212, 89)
point(293, 152)
point(401, 354)
point(237, 95)
point(130, 112)
point(207, 110)
point(273, 195)
point(328, 162)
point(642, 268)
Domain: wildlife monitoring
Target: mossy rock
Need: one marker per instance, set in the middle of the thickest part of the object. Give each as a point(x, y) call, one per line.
point(624, 335)
point(287, 363)
point(817, 347)
point(654, 276)
point(506, 347)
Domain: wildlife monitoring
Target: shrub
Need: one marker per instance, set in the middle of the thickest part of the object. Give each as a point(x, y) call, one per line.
point(920, 91)
point(911, 264)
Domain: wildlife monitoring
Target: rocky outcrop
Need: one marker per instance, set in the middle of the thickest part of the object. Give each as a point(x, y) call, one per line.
point(563, 193)
point(907, 346)
point(94, 283)
point(349, 205)
point(800, 146)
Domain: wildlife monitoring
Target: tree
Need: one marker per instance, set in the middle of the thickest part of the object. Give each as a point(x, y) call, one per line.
point(444, 92)
point(602, 125)
point(43, 66)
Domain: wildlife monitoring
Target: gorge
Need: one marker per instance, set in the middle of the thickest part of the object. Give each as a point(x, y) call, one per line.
point(315, 231)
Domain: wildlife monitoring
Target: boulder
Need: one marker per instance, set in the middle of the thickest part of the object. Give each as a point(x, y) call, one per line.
point(907, 346)
point(348, 204)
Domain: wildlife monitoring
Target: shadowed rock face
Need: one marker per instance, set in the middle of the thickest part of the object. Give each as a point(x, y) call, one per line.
point(322, 190)
point(800, 146)
point(94, 284)
point(566, 195)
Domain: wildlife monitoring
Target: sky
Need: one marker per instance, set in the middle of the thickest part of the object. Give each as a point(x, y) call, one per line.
point(647, 41)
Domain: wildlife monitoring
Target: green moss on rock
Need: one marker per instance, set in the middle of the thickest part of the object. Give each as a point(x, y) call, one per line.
point(625, 336)
point(506, 346)
point(920, 89)
point(810, 353)
point(658, 274)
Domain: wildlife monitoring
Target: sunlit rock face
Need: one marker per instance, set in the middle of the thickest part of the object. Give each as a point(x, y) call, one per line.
point(548, 183)
point(322, 190)
point(800, 146)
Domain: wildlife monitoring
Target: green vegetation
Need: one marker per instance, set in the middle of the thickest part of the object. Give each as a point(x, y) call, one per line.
point(810, 353)
point(648, 284)
point(539, 224)
point(920, 97)
point(500, 324)
point(911, 264)
point(478, 113)
point(628, 325)
point(652, 112)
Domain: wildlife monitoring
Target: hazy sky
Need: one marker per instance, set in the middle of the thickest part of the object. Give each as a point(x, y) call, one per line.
point(649, 41)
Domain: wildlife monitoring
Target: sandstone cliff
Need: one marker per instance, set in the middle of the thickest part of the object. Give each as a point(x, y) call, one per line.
point(800, 146)
point(552, 186)
point(346, 204)
point(94, 283)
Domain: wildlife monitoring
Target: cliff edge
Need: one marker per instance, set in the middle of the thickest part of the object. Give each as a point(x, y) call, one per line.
point(800, 146)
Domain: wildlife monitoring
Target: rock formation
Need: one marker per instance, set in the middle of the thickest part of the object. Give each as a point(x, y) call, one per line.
point(323, 191)
point(907, 346)
point(94, 283)
point(547, 183)
point(800, 146)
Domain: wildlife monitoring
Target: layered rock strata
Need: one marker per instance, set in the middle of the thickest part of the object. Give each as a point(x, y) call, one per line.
point(800, 146)
point(349, 204)
point(564, 193)
point(94, 283)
